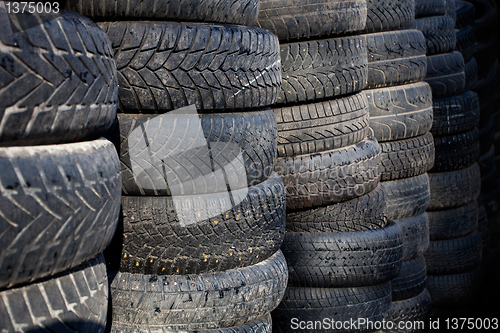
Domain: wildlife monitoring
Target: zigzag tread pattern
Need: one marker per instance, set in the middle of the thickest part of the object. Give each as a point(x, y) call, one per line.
point(407, 158)
point(168, 65)
point(446, 74)
point(425, 8)
point(202, 301)
point(333, 176)
point(465, 14)
point(154, 237)
point(327, 125)
point(384, 15)
point(236, 150)
point(335, 260)
point(242, 12)
point(439, 32)
point(76, 300)
point(315, 70)
point(361, 213)
point(455, 114)
point(292, 20)
point(407, 197)
point(59, 207)
point(58, 82)
point(400, 112)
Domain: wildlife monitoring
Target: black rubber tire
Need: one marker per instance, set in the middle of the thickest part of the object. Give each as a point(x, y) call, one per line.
point(386, 15)
point(407, 158)
point(486, 85)
point(453, 223)
point(451, 10)
point(321, 69)
point(243, 12)
point(164, 66)
point(410, 281)
point(486, 56)
point(415, 310)
point(198, 302)
point(454, 256)
point(446, 74)
point(439, 32)
point(190, 153)
point(400, 112)
point(466, 42)
point(486, 15)
point(166, 236)
point(491, 201)
point(395, 57)
point(76, 299)
point(59, 206)
point(363, 213)
point(492, 237)
point(407, 197)
point(456, 151)
point(454, 188)
point(58, 82)
point(487, 135)
point(482, 217)
point(324, 178)
point(261, 325)
point(471, 74)
point(340, 304)
point(415, 235)
point(486, 241)
point(465, 14)
point(293, 20)
point(425, 8)
point(489, 180)
point(346, 259)
point(326, 125)
point(458, 290)
point(455, 114)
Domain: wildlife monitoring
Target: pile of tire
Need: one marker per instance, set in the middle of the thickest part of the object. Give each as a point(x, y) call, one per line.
point(60, 185)
point(340, 249)
point(203, 213)
point(454, 255)
point(400, 105)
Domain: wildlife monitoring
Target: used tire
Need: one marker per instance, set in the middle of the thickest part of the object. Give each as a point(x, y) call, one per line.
point(453, 189)
point(407, 158)
point(343, 304)
point(362, 213)
point(453, 223)
point(471, 74)
point(454, 256)
point(395, 57)
point(407, 197)
point(400, 112)
point(346, 259)
point(410, 281)
point(466, 42)
point(320, 69)
point(58, 82)
point(415, 310)
point(190, 153)
point(456, 151)
point(439, 32)
point(332, 176)
point(446, 74)
point(243, 12)
point(415, 235)
point(465, 14)
point(292, 20)
point(198, 302)
point(385, 15)
point(164, 66)
point(331, 124)
point(59, 206)
point(425, 8)
point(195, 234)
point(76, 299)
point(455, 114)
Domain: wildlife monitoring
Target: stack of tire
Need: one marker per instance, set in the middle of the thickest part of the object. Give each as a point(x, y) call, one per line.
point(60, 186)
point(400, 105)
point(340, 249)
point(203, 214)
point(455, 250)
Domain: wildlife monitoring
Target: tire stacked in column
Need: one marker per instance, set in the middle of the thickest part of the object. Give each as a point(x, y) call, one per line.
point(454, 255)
point(341, 251)
point(203, 213)
point(60, 185)
point(400, 105)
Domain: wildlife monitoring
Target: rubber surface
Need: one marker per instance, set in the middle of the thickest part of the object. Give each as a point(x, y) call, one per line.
point(415, 235)
point(164, 66)
point(411, 279)
point(446, 74)
point(58, 82)
point(439, 32)
point(407, 197)
point(59, 207)
point(415, 310)
point(384, 15)
point(466, 42)
point(453, 223)
point(456, 151)
point(455, 114)
point(465, 14)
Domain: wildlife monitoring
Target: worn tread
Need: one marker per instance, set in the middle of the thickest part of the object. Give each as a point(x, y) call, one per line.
point(415, 235)
point(410, 281)
point(439, 32)
point(453, 223)
point(455, 114)
point(416, 310)
point(466, 42)
point(456, 151)
point(385, 15)
point(446, 74)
